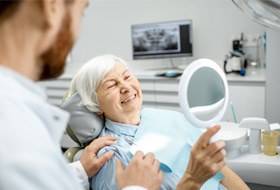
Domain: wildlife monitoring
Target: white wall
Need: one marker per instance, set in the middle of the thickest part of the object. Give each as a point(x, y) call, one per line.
point(273, 76)
point(106, 28)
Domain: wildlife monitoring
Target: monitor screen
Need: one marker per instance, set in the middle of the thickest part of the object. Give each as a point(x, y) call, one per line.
point(162, 40)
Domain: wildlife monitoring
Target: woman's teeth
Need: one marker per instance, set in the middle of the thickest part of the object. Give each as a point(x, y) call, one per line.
point(130, 98)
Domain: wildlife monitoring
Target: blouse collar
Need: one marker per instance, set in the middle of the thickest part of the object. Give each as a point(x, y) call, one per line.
point(121, 129)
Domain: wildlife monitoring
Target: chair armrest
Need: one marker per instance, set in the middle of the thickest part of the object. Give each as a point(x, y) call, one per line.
point(70, 153)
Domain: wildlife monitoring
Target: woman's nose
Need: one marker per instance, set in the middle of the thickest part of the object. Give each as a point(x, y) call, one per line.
point(125, 88)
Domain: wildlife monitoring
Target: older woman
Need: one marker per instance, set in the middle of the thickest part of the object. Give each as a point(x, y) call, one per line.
point(108, 88)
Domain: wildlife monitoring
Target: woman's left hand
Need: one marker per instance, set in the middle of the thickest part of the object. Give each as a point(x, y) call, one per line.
point(205, 161)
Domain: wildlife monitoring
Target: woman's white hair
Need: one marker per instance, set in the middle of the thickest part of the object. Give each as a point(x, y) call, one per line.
point(89, 77)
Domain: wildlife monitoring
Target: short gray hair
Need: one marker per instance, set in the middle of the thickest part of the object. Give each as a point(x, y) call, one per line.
point(89, 77)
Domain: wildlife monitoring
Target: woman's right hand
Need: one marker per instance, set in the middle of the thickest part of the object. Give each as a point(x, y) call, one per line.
point(205, 161)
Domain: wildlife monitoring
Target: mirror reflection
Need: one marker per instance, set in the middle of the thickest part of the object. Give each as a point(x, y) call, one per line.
point(203, 93)
point(206, 93)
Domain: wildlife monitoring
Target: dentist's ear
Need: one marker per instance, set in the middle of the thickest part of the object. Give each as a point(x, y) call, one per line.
point(53, 12)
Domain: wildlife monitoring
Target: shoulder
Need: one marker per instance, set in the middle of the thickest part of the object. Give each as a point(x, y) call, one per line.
point(105, 149)
point(105, 178)
point(120, 150)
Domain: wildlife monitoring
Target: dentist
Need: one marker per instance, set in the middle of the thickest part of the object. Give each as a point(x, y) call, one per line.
point(35, 39)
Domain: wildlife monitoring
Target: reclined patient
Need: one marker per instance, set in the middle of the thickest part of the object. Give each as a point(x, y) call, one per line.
point(108, 88)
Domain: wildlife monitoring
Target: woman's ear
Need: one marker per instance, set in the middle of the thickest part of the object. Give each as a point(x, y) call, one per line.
point(100, 113)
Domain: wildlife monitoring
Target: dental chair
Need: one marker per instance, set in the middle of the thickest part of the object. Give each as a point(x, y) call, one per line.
point(83, 127)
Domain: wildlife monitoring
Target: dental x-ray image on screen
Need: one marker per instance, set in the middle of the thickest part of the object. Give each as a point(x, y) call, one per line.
point(165, 39)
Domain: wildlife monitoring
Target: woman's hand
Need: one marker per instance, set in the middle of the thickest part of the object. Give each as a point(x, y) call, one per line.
point(89, 159)
point(205, 161)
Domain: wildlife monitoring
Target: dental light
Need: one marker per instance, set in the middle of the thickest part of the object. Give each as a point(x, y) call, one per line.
point(265, 12)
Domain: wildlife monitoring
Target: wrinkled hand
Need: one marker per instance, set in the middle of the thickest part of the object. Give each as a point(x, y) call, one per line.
point(205, 160)
point(142, 171)
point(89, 159)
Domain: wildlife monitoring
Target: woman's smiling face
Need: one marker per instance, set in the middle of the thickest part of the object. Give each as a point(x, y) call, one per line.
point(120, 96)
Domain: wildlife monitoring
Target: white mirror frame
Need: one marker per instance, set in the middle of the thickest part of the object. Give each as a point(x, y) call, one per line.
point(183, 92)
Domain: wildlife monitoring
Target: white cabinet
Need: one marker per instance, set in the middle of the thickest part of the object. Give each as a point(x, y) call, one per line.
point(247, 94)
point(248, 100)
point(160, 93)
point(56, 89)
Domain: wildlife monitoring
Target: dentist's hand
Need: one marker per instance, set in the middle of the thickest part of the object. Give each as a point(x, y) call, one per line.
point(89, 159)
point(205, 161)
point(143, 170)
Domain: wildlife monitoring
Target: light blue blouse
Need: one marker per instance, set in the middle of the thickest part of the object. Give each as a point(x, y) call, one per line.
point(162, 122)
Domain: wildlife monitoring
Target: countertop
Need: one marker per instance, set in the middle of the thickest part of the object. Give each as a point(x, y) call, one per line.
point(256, 75)
point(257, 168)
point(252, 75)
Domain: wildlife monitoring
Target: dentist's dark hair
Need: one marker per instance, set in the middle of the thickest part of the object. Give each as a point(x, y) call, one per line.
point(8, 8)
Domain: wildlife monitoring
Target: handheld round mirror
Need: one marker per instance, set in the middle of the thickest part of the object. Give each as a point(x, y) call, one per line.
point(203, 93)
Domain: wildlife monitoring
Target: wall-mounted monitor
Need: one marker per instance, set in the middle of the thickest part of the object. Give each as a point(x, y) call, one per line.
point(162, 40)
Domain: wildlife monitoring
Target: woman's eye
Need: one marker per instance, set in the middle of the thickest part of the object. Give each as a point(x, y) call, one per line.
point(111, 85)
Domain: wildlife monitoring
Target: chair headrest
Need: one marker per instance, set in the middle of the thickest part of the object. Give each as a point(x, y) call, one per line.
point(86, 125)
